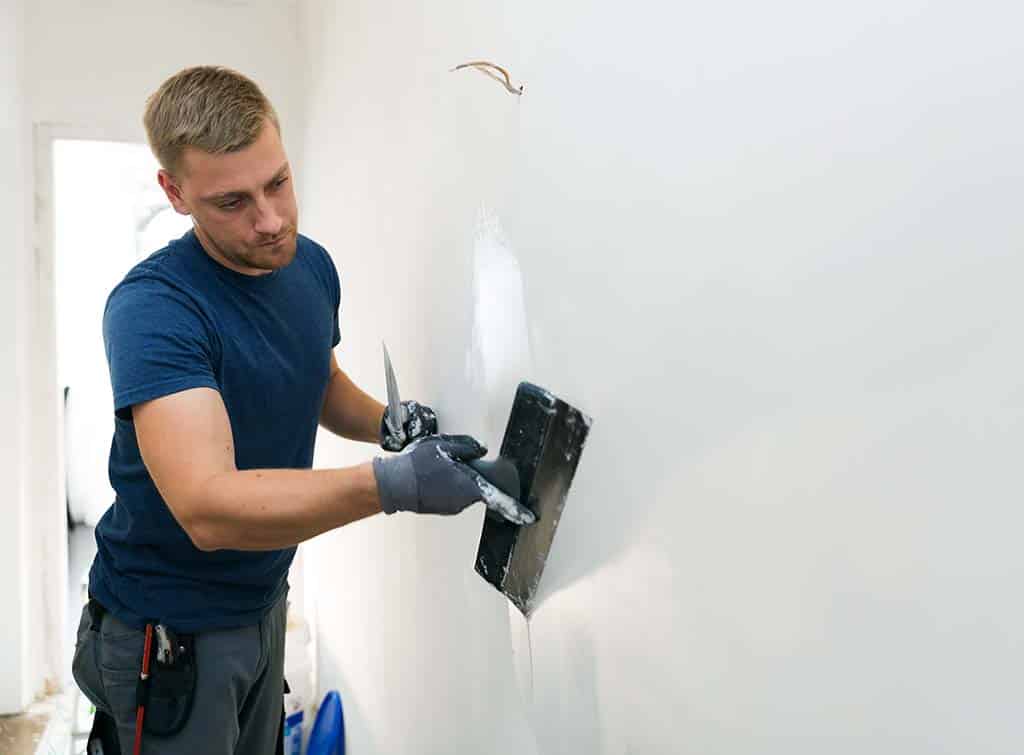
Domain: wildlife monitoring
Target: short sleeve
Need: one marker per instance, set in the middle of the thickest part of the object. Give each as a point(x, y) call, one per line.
point(157, 343)
point(334, 286)
point(336, 337)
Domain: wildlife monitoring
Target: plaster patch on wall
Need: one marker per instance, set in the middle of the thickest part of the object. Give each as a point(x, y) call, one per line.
point(499, 356)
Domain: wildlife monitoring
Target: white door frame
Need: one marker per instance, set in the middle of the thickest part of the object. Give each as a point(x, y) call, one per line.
point(45, 475)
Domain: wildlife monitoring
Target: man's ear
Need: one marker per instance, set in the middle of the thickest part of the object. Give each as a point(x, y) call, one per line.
point(173, 192)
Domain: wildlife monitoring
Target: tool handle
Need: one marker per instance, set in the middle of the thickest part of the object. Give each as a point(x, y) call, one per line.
point(500, 472)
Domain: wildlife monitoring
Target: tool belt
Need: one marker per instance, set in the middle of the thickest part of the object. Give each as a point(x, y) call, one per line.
point(165, 691)
point(168, 693)
point(167, 677)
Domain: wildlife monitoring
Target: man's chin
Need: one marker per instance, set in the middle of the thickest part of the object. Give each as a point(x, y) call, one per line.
point(277, 256)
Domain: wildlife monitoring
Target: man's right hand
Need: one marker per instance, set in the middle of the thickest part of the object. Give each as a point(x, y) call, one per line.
point(432, 477)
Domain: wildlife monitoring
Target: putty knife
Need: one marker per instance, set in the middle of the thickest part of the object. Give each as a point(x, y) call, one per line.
point(499, 472)
point(543, 441)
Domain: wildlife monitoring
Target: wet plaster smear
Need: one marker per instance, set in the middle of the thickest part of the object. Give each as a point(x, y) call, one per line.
point(498, 359)
point(499, 354)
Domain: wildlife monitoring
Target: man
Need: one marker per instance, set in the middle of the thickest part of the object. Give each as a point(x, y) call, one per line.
point(220, 349)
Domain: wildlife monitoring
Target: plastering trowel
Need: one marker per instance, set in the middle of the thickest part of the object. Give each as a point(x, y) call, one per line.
point(543, 441)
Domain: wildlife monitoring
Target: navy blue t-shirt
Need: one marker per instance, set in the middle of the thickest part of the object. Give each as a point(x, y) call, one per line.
point(181, 320)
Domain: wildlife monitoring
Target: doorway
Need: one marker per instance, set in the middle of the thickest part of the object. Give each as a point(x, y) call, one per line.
point(106, 213)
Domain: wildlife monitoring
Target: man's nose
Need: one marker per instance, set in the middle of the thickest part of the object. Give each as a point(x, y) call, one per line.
point(268, 221)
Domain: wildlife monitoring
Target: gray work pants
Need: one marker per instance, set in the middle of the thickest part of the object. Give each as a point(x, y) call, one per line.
point(239, 685)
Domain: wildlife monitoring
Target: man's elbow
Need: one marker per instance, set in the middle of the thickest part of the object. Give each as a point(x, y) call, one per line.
point(196, 514)
point(203, 539)
point(198, 527)
point(202, 535)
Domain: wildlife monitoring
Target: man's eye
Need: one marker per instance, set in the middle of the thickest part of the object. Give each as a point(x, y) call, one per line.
point(231, 205)
point(281, 181)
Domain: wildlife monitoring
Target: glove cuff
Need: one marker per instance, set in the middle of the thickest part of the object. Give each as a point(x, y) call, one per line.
point(396, 483)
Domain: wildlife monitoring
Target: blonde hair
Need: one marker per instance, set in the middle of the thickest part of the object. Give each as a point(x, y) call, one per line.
point(211, 108)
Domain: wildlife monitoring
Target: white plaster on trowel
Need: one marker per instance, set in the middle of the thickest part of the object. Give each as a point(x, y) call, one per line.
point(499, 356)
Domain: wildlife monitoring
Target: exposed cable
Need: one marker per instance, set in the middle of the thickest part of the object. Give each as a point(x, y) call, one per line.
point(490, 69)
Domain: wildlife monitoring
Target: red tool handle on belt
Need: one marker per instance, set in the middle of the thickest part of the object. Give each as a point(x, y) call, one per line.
point(143, 680)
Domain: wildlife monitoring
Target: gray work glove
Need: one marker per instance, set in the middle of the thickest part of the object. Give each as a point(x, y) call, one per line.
point(432, 477)
point(420, 422)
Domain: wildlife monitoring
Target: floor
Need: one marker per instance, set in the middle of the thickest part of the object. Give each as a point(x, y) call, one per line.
point(21, 734)
point(59, 724)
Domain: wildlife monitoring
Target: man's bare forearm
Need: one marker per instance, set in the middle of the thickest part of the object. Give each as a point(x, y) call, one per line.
point(349, 412)
point(265, 509)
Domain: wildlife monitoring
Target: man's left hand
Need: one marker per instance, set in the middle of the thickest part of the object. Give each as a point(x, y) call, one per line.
point(420, 422)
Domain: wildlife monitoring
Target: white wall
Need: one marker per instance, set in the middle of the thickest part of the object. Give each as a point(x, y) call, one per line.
point(773, 250)
point(18, 673)
point(96, 64)
point(86, 68)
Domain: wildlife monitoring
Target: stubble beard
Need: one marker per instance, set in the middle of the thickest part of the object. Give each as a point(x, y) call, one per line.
point(256, 257)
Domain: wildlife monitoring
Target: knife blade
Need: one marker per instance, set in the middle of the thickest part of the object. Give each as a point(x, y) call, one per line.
point(397, 414)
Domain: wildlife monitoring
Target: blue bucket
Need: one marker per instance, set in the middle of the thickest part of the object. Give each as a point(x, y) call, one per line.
point(328, 736)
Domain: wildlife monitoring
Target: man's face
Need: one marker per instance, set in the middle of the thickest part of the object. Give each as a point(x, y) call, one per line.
point(242, 203)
